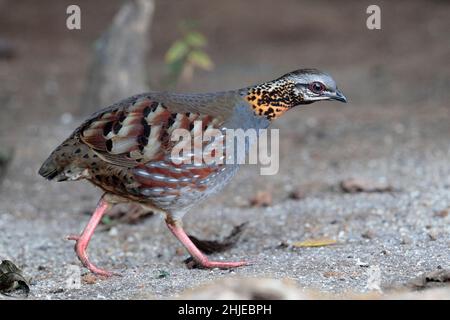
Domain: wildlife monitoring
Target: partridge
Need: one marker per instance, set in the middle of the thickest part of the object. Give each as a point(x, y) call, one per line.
point(127, 149)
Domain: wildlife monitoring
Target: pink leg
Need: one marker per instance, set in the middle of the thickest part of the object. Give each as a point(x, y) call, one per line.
point(198, 256)
point(82, 241)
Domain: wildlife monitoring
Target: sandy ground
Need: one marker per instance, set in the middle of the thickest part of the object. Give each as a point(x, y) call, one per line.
point(395, 130)
point(404, 232)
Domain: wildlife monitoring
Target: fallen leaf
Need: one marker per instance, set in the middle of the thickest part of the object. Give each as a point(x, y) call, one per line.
point(321, 242)
point(11, 279)
point(213, 246)
point(442, 213)
point(355, 185)
point(106, 220)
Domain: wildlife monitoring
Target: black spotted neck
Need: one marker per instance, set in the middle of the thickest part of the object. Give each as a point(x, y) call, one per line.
point(272, 99)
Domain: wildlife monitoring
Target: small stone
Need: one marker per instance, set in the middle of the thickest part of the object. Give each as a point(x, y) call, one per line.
point(113, 232)
point(59, 290)
point(332, 274)
point(369, 234)
point(180, 251)
point(89, 278)
point(362, 263)
point(161, 274)
point(297, 194)
point(432, 235)
point(282, 245)
point(261, 199)
point(405, 240)
point(355, 185)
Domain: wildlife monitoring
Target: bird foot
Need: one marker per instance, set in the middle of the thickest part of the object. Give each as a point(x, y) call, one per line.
point(80, 249)
point(73, 237)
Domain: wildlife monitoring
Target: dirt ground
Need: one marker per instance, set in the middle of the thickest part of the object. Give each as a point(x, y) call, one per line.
point(395, 130)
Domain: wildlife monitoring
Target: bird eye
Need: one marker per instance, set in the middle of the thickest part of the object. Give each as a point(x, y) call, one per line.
point(317, 87)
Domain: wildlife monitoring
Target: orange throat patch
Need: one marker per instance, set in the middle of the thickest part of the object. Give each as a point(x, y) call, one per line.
point(272, 99)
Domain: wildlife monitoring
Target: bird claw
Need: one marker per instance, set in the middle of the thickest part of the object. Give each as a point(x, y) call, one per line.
point(80, 249)
point(94, 269)
point(73, 237)
point(216, 264)
point(225, 265)
point(102, 272)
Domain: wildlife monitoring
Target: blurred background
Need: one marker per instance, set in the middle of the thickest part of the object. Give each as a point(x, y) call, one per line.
point(248, 42)
point(393, 134)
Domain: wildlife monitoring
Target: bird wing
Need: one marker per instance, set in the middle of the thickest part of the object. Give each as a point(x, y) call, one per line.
point(139, 132)
point(137, 136)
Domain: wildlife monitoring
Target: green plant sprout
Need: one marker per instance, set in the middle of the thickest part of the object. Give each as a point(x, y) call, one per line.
point(186, 55)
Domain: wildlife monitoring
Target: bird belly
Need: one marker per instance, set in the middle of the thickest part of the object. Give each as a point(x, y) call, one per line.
point(173, 188)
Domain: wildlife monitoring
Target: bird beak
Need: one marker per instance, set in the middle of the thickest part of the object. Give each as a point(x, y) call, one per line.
point(339, 96)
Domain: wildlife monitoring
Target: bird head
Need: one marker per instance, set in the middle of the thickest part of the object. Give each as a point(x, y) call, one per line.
point(311, 85)
point(271, 99)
